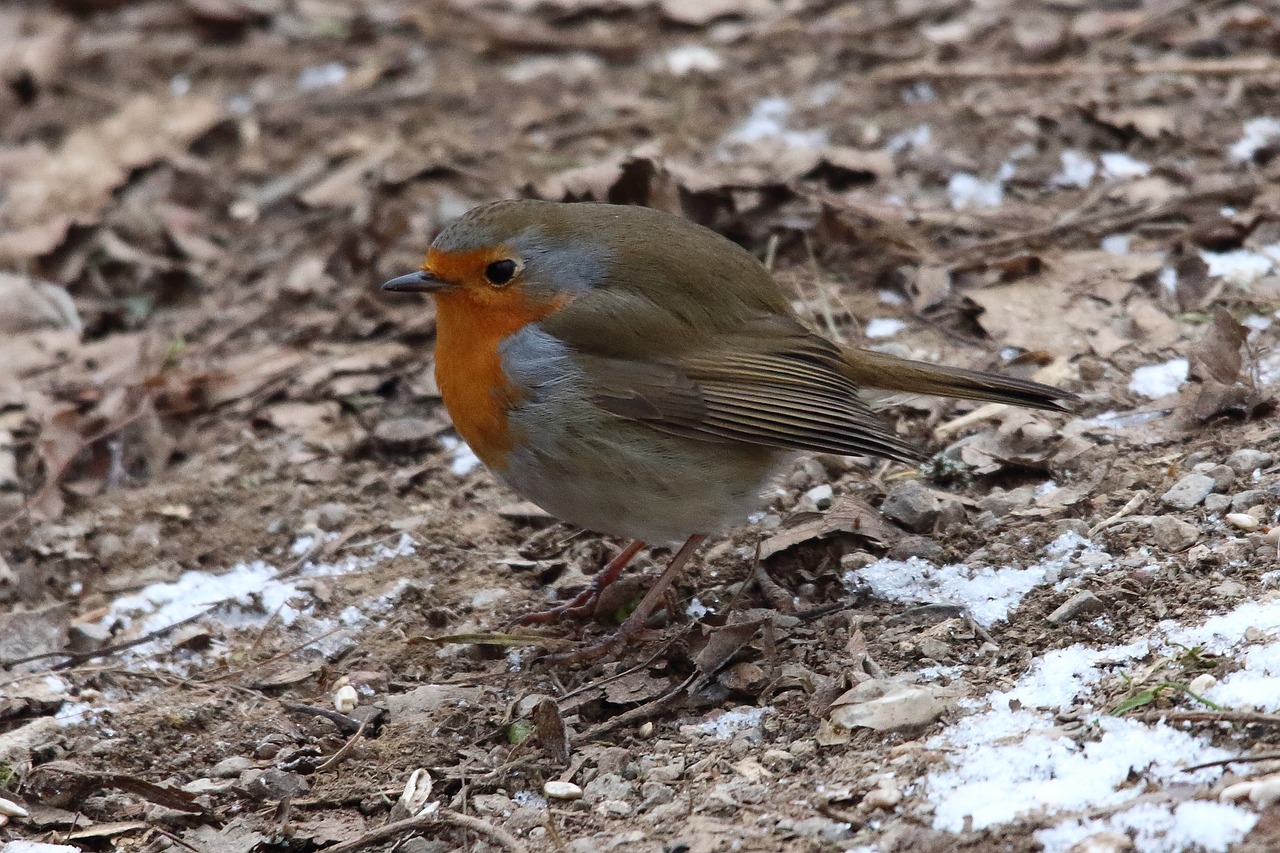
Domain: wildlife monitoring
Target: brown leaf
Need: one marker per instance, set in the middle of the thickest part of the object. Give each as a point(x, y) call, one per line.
point(549, 727)
point(847, 515)
point(723, 643)
point(1216, 387)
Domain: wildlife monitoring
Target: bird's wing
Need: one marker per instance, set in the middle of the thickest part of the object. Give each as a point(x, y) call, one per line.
point(764, 380)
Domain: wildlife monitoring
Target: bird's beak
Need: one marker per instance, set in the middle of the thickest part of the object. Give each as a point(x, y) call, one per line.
point(415, 282)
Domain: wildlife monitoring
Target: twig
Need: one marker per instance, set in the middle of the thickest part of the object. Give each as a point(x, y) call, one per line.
point(442, 816)
point(345, 724)
point(1117, 220)
point(1133, 503)
point(1223, 762)
point(73, 658)
point(637, 713)
point(341, 755)
point(1207, 717)
point(1202, 67)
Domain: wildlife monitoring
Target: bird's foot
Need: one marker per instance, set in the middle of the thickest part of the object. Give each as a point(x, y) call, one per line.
point(584, 603)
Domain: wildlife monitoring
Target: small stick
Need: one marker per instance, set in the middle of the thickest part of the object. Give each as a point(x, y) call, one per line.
point(442, 816)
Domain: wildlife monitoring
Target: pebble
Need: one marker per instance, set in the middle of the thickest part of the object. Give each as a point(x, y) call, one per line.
point(820, 496)
point(1082, 603)
point(1248, 498)
point(881, 798)
point(1260, 792)
point(1242, 521)
point(1221, 475)
point(345, 699)
point(561, 791)
point(1173, 534)
point(1202, 683)
point(1247, 460)
point(921, 509)
point(1217, 503)
point(1272, 536)
point(406, 433)
point(87, 637)
point(1103, 842)
point(1188, 492)
point(231, 768)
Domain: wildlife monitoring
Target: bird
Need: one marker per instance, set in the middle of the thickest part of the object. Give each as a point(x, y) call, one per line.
point(639, 375)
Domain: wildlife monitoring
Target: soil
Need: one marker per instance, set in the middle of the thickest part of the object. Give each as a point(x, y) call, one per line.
point(215, 191)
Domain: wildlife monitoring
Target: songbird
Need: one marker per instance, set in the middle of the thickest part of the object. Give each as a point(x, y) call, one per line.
point(639, 375)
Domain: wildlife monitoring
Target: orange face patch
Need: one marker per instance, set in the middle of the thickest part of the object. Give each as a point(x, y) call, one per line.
point(472, 318)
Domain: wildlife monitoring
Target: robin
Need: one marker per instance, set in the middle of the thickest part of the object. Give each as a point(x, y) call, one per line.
point(639, 375)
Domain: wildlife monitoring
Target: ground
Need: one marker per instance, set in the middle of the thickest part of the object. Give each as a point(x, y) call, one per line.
point(231, 501)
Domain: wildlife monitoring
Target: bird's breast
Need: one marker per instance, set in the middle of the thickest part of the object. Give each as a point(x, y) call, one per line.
point(469, 371)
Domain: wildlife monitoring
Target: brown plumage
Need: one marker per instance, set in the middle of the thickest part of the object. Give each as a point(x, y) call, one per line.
point(638, 374)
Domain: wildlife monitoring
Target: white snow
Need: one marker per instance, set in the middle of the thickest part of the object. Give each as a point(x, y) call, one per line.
point(917, 137)
point(1121, 167)
point(726, 725)
point(248, 593)
point(464, 459)
point(1116, 244)
point(968, 190)
point(883, 327)
point(688, 58)
point(1078, 170)
point(1160, 380)
point(1160, 827)
point(988, 593)
point(1258, 133)
point(768, 121)
point(1241, 266)
point(321, 76)
point(1010, 760)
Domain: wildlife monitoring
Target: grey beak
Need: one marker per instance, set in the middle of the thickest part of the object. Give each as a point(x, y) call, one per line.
point(415, 282)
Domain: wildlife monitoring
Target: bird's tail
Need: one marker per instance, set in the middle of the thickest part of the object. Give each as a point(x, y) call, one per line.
point(870, 369)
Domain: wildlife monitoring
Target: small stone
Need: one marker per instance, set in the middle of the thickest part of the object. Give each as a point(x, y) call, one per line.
point(554, 790)
point(1242, 501)
point(273, 784)
point(1188, 492)
point(919, 508)
point(231, 768)
point(1000, 502)
point(1272, 536)
point(203, 786)
point(645, 730)
point(1217, 503)
point(820, 496)
point(608, 786)
point(1221, 475)
point(1202, 683)
point(345, 699)
point(406, 433)
point(87, 637)
point(1083, 603)
point(881, 798)
point(1247, 460)
point(1103, 842)
point(616, 808)
point(1242, 521)
point(1173, 534)
point(856, 560)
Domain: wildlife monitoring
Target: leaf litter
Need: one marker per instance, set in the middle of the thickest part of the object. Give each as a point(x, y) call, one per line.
point(208, 413)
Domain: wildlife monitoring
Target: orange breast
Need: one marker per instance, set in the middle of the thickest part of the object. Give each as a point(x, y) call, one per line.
point(469, 372)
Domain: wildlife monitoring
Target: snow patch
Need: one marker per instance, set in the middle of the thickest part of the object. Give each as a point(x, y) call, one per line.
point(883, 327)
point(988, 593)
point(1258, 134)
point(1154, 381)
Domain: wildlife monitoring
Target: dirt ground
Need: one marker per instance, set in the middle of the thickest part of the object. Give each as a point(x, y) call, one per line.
point(229, 491)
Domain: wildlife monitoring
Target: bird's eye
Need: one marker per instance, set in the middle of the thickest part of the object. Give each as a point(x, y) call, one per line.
point(500, 272)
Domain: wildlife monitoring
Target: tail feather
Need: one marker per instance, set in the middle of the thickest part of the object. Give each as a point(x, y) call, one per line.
point(891, 373)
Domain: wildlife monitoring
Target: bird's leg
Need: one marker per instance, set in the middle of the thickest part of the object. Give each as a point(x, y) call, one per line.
point(585, 600)
point(635, 622)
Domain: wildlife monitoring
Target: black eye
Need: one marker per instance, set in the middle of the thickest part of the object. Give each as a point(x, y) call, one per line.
point(500, 272)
